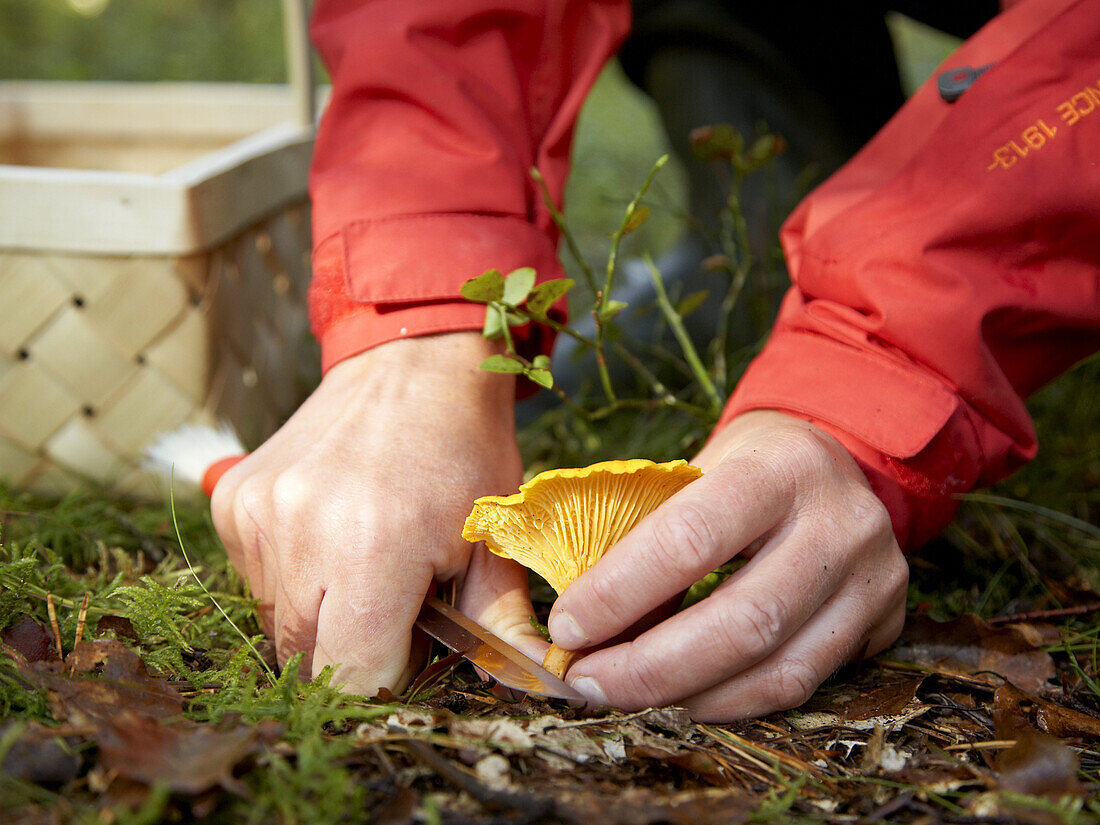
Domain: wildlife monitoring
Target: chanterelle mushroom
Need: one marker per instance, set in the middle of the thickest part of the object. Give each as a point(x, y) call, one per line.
point(562, 521)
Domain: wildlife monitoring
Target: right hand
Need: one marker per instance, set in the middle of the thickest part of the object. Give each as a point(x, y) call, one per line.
point(342, 519)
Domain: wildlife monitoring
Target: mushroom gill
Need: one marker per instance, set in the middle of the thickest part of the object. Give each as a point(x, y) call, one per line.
point(562, 521)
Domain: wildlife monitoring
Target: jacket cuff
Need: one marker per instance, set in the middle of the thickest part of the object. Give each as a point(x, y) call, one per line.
point(368, 288)
point(910, 433)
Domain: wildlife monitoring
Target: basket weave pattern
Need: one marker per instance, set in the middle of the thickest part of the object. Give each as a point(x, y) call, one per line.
point(101, 353)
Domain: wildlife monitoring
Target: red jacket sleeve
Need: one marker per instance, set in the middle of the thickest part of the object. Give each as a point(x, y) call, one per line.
point(949, 270)
point(420, 178)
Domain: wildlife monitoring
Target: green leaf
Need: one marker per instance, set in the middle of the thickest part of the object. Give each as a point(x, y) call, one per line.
point(517, 285)
point(541, 362)
point(502, 363)
point(546, 294)
point(611, 309)
point(637, 218)
point(492, 328)
point(515, 319)
point(486, 287)
point(541, 377)
point(692, 302)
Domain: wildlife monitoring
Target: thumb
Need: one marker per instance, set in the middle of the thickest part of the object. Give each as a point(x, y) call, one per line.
point(495, 595)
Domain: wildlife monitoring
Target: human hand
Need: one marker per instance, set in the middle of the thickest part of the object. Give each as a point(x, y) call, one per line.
point(343, 518)
point(825, 581)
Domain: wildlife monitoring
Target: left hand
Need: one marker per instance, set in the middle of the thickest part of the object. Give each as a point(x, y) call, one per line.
point(825, 582)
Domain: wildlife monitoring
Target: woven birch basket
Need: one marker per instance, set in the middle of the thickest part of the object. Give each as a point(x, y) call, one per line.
point(154, 260)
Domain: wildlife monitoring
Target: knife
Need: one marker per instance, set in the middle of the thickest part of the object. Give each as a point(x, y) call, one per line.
point(202, 455)
point(491, 653)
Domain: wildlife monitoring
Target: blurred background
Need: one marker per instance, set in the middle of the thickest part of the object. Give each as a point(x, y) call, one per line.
point(619, 137)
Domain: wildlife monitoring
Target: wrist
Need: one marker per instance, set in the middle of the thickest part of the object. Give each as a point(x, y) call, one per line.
point(443, 367)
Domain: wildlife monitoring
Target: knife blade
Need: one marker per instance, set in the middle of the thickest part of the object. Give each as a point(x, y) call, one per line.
point(491, 653)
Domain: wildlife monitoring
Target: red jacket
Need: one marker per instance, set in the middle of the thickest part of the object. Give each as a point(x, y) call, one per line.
point(946, 272)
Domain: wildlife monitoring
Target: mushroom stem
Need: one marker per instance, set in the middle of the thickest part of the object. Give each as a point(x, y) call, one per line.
point(558, 660)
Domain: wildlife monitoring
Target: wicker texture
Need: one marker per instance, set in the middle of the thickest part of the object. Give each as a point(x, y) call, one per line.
point(99, 354)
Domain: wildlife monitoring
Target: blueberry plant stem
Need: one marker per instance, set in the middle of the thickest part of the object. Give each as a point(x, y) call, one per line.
point(676, 324)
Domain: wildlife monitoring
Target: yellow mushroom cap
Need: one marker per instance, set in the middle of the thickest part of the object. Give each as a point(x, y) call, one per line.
point(562, 521)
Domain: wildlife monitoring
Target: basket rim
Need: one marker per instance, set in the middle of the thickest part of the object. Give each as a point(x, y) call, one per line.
point(185, 210)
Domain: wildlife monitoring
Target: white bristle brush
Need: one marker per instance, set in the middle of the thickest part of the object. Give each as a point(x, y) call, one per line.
point(195, 453)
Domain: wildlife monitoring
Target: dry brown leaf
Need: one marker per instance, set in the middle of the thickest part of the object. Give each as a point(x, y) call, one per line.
point(188, 759)
point(123, 681)
point(637, 805)
point(1038, 765)
point(1014, 710)
point(31, 640)
point(38, 755)
point(875, 698)
point(695, 762)
point(971, 646)
point(399, 809)
point(122, 627)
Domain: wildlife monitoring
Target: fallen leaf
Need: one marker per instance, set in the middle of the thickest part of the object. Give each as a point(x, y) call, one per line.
point(31, 640)
point(39, 755)
point(636, 805)
point(122, 681)
point(1038, 765)
point(398, 809)
point(971, 646)
point(876, 699)
point(1015, 710)
point(188, 759)
point(122, 627)
point(694, 762)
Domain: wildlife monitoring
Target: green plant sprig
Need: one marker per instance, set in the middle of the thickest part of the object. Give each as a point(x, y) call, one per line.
point(566, 233)
point(676, 323)
point(514, 299)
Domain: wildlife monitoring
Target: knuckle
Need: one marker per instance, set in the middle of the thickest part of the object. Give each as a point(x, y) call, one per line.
point(291, 492)
point(683, 540)
point(752, 628)
point(607, 598)
point(646, 680)
point(794, 683)
point(869, 514)
point(897, 580)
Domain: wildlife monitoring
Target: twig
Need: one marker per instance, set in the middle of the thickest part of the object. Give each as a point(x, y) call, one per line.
point(735, 249)
point(533, 808)
point(52, 612)
point(81, 618)
point(570, 241)
point(676, 323)
point(604, 295)
point(895, 664)
point(776, 757)
point(990, 745)
point(1041, 615)
point(616, 238)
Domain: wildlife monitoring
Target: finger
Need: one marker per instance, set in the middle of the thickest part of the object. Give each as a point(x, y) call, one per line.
point(230, 521)
point(697, 530)
point(295, 626)
point(365, 620)
point(740, 624)
point(496, 596)
point(836, 635)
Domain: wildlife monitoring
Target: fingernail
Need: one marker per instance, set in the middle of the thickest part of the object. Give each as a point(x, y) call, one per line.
point(591, 690)
point(565, 631)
